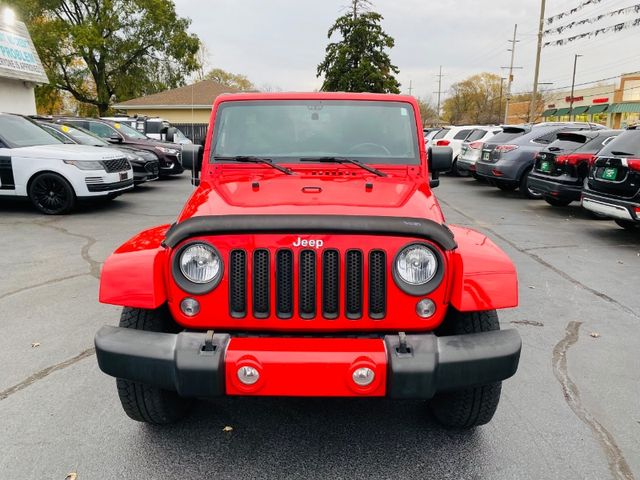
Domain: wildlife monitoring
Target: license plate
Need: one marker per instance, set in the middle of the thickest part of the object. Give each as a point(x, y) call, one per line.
point(609, 173)
point(124, 175)
point(545, 166)
point(485, 155)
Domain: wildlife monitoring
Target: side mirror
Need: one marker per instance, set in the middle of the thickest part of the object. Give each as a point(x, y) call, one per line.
point(192, 160)
point(170, 133)
point(115, 138)
point(440, 159)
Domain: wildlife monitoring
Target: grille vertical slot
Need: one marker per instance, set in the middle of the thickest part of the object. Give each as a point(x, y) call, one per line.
point(377, 284)
point(260, 283)
point(284, 284)
point(330, 284)
point(307, 284)
point(353, 284)
point(238, 283)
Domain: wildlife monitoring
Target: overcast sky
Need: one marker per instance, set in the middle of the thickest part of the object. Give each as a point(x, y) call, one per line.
point(279, 43)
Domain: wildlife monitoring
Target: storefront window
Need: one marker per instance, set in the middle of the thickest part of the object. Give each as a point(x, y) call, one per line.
point(629, 119)
point(600, 118)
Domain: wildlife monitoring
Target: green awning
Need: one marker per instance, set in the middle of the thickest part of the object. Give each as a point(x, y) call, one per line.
point(562, 111)
point(629, 107)
point(549, 112)
point(579, 110)
point(598, 108)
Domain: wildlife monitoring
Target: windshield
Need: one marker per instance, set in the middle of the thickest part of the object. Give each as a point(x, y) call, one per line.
point(16, 131)
point(287, 130)
point(83, 137)
point(129, 132)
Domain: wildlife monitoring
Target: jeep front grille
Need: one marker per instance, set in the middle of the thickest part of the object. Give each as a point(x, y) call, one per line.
point(310, 283)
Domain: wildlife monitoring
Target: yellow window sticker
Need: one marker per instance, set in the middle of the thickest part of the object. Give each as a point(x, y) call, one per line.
point(65, 128)
point(117, 125)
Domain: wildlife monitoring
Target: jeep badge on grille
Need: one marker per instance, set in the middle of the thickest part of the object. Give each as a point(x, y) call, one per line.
point(308, 243)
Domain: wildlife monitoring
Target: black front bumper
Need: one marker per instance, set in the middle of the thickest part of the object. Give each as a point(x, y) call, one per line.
point(108, 187)
point(192, 363)
point(556, 188)
point(170, 165)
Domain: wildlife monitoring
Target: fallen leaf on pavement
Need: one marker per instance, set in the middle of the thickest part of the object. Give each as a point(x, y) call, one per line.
point(532, 287)
point(595, 334)
point(227, 429)
point(71, 476)
point(35, 344)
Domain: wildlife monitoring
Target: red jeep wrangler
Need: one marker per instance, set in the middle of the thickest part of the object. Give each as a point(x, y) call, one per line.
point(312, 259)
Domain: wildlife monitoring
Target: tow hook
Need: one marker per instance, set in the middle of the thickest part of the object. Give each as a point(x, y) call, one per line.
point(403, 348)
point(208, 342)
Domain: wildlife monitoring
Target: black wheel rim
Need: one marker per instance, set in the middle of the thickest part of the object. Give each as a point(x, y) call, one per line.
point(50, 194)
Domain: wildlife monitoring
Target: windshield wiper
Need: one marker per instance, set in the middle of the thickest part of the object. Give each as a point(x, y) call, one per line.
point(344, 160)
point(252, 159)
point(618, 152)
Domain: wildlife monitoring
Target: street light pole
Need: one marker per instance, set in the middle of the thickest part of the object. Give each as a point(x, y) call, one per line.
point(573, 83)
point(500, 101)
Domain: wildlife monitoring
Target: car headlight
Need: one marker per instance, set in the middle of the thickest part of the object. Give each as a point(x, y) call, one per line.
point(86, 164)
point(168, 151)
point(197, 267)
point(134, 158)
point(417, 269)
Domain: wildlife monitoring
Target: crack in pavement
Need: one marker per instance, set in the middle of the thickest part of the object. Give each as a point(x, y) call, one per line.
point(42, 284)
point(544, 263)
point(45, 372)
point(615, 458)
point(94, 266)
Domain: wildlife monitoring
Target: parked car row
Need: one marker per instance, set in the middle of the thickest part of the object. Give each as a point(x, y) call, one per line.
point(57, 162)
point(565, 162)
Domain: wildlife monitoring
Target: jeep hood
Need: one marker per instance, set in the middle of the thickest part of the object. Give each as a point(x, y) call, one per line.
point(280, 194)
point(66, 152)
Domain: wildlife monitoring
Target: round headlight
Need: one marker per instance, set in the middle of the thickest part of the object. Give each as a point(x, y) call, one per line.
point(416, 264)
point(200, 263)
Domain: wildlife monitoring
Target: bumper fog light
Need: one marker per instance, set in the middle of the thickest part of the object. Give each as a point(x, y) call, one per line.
point(425, 308)
point(248, 375)
point(190, 307)
point(363, 376)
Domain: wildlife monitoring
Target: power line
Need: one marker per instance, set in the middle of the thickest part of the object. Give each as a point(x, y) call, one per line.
point(510, 78)
point(439, 92)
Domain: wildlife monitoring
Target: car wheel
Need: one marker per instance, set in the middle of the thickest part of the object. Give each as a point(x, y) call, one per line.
point(556, 202)
point(525, 190)
point(146, 403)
point(506, 186)
point(469, 407)
point(628, 225)
point(51, 194)
point(458, 172)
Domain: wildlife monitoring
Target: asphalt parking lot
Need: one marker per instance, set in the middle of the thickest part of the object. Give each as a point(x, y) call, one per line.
point(571, 411)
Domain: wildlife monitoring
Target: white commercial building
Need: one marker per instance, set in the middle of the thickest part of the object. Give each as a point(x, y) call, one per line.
point(20, 68)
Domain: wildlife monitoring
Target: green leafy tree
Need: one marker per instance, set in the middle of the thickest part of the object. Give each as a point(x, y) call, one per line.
point(359, 62)
point(428, 112)
point(233, 80)
point(110, 50)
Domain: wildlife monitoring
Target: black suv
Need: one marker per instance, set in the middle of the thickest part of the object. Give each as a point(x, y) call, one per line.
point(560, 169)
point(144, 163)
point(613, 184)
point(169, 154)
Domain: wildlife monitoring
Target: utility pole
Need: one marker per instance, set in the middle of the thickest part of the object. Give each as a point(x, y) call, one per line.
point(573, 83)
point(510, 78)
point(500, 101)
point(534, 94)
point(439, 92)
point(410, 88)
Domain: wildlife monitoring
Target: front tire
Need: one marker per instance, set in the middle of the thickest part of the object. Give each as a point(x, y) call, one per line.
point(469, 407)
point(51, 194)
point(146, 403)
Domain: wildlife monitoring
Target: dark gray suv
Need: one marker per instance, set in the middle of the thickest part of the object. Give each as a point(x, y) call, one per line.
point(507, 158)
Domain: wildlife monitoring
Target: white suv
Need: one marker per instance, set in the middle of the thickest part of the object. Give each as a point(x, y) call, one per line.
point(54, 175)
point(453, 137)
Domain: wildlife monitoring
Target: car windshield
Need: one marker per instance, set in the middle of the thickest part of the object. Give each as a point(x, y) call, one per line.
point(288, 130)
point(83, 137)
point(129, 132)
point(627, 142)
point(16, 131)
